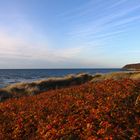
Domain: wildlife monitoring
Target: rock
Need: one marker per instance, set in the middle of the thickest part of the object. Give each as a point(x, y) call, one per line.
point(4, 95)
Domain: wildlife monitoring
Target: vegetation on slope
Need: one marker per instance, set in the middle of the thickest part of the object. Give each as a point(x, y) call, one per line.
point(132, 66)
point(117, 76)
point(27, 89)
point(100, 110)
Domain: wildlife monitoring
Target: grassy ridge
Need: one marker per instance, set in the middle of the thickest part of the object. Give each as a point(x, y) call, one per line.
point(28, 89)
point(117, 76)
point(107, 109)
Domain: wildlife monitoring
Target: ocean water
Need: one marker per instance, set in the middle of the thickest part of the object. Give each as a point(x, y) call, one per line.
point(10, 76)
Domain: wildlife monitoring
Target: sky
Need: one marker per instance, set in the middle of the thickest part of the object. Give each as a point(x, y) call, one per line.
point(69, 33)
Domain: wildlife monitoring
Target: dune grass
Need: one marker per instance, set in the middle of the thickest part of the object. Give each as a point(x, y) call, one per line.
point(28, 89)
point(117, 76)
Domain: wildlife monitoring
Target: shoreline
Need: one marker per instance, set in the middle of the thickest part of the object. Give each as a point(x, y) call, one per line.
point(18, 90)
point(12, 76)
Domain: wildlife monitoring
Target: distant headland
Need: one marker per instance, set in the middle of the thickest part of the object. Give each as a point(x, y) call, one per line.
point(132, 66)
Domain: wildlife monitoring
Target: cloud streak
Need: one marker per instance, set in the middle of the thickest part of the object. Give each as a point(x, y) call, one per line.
point(77, 36)
point(13, 47)
point(104, 21)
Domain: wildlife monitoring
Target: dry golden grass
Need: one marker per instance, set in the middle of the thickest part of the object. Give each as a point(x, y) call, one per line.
point(117, 76)
point(27, 89)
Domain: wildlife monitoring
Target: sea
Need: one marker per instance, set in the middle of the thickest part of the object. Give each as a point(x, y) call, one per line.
point(10, 76)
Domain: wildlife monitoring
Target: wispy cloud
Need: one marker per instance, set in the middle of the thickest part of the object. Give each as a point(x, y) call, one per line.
point(107, 18)
point(20, 47)
point(75, 37)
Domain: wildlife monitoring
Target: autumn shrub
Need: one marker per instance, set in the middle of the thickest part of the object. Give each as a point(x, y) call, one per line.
point(91, 111)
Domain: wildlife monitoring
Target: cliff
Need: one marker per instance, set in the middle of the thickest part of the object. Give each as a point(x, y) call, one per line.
point(132, 66)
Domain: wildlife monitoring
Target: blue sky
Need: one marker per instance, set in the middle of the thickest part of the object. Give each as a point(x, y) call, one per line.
point(69, 33)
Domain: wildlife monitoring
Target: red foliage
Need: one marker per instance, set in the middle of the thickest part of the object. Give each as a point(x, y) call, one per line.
point(102, 110)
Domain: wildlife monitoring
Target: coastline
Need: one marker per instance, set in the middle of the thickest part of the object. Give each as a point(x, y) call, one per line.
point(12, 76)
point(32, 88)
